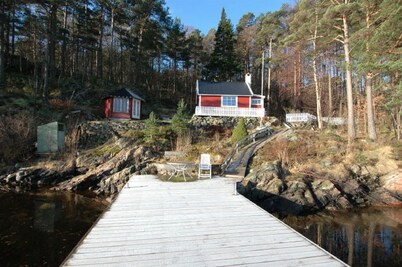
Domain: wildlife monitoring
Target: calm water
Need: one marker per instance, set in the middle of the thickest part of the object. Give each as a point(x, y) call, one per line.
point(40, 229)
point(370, 237)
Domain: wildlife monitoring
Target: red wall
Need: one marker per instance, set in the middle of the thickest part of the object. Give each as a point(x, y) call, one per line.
point(119, 115)
point(108, 107)
point(243, 102)
point(210, 101)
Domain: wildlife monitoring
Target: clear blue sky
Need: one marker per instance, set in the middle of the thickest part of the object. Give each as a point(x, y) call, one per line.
point(205, 14)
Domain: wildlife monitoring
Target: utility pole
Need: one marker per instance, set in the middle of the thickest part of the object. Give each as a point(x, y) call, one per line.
point(269, 73)
point(262, 82)
point(262, 71)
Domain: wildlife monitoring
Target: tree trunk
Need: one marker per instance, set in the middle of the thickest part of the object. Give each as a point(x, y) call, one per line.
point(111, 45)
point(350, 232)
point(349, 89)
point(371, 131)
point(319, 234)
point(64, 43)
point(99, 54)
point(295, 83)
point(370, 108)
point(262, 71)
point(2, 45)
point(50, 54)
point(45, 93)
point(35, 57)
point(140, 58)
point(174, 75)
point(121, 59)
point(370, 244)
point(269, 69)
point(330, 108)
point(13, 29)
point(315, 74)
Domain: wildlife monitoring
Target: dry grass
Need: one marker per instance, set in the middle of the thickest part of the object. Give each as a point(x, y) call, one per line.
point(306, 152)
point(17, 136)
point(184, 140)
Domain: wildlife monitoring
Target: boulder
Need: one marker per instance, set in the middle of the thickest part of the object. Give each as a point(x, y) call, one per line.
point(393, 182)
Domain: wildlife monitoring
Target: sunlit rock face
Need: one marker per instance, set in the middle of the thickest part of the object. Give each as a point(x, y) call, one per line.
point(276, 190)
point(393, 182)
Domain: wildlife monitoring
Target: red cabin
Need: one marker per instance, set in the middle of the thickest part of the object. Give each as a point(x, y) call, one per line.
point(235, 99)
point(123, 104)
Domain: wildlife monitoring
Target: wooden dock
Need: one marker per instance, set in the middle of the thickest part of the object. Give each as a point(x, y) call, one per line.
point(203, 223)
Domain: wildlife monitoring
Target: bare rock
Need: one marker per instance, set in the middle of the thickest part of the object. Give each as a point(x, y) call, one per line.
point(393, 182)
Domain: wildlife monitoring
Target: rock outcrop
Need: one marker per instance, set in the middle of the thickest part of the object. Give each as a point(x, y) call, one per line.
point(95, 133)
point(277, 190)
point(199, 122)
point(103, 161)
point(104, 175)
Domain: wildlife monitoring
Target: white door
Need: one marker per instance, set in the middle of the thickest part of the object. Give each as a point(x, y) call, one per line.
point(135, 114)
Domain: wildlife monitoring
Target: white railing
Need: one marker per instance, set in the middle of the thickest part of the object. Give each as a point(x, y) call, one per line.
point(305, 117)
point(300, 117)
point(335, 120)
point(229, 111)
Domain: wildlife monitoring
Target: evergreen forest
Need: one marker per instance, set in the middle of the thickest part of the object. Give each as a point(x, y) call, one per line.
point(330, 58)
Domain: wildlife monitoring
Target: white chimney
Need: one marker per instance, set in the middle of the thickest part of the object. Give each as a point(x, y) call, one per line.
point(248, 79)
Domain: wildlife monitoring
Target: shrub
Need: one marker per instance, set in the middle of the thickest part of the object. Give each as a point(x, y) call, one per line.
point(153, 133)
point(17, 136)
point(180, 119)
point(239, 131)
point(134, 134)
point(151, 128)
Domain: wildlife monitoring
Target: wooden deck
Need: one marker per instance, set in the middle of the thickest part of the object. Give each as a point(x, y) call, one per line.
point(203, 223)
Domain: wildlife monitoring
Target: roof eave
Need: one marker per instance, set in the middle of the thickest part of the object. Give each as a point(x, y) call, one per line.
point(249, 88)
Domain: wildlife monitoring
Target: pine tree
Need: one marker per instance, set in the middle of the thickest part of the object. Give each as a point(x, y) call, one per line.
point(2, 44)
point(338, 18)
point(224, 63)
point(306, 31)
point(175, 47)
point(239, 131)
point(245, 46)
point(151, 129)
point(180, 119)
point(369, 62)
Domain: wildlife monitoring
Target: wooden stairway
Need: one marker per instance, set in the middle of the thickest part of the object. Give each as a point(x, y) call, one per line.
point(236, 163)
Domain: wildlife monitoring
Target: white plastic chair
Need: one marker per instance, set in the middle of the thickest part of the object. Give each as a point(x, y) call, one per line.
point(205, 168)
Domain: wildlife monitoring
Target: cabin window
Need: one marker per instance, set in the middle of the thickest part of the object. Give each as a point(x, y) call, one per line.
point(120, 104)
point(229, 101)
point(256, 101)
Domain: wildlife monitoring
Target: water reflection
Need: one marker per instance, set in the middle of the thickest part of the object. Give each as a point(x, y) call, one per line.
point(371, 237)
point(40, 229)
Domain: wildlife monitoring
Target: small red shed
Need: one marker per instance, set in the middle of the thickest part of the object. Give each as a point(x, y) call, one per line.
point(123, 104)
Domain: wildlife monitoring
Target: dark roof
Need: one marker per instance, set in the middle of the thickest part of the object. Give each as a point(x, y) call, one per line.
point(124, 92)
point(223, 88)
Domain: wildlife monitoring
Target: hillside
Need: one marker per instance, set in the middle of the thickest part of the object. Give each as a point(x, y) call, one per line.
point(309, 170)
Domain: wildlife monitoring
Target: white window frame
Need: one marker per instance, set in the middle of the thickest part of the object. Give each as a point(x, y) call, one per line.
point(229, 96)
point(255, 101)
point(136, 110)
point(120, 104)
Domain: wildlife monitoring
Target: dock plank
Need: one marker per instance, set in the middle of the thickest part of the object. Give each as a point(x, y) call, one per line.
point(203, 223)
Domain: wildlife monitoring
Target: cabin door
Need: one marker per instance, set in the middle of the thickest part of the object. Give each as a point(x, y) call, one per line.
point(135, 114)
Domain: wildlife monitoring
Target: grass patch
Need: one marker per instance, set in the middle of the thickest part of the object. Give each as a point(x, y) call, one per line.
point(110, 149)
point(134, 134)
